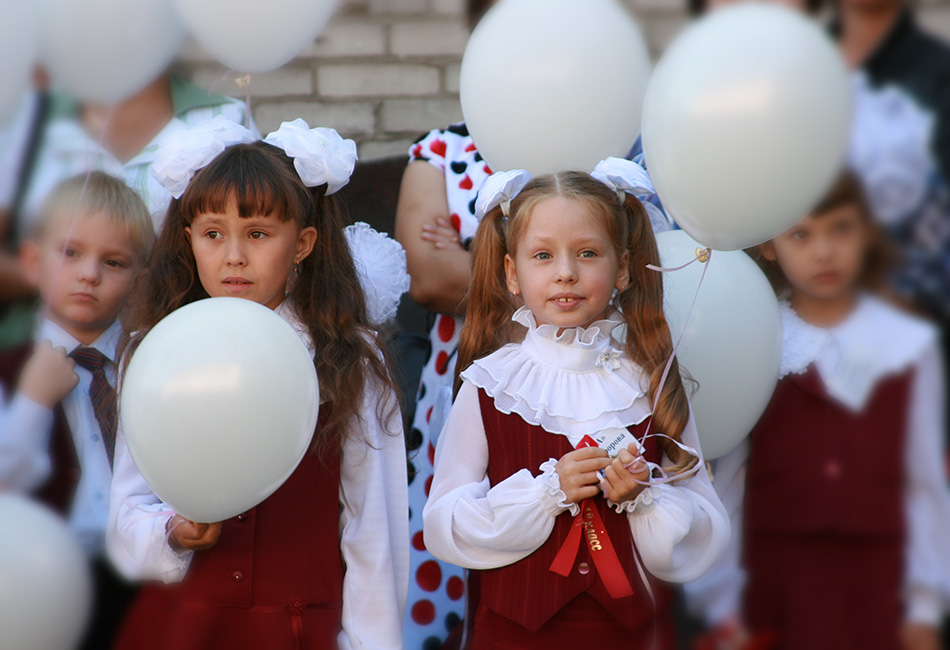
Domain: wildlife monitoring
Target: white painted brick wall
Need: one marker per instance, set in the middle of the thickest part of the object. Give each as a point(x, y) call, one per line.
point(378, 80)
point(385, 71)
point(429, 37)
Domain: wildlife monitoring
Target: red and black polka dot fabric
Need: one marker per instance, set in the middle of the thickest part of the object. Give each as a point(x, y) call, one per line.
point(437, 590)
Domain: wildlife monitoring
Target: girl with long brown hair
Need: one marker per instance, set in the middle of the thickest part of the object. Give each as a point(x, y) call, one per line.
point(535, 423)
point(323, 562)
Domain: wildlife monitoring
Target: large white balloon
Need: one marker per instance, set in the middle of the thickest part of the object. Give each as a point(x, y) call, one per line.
point(732, 345)
point(255, 35)
point(548, 85)
point(18, 37)
point(218, 406)
point(45, 583)
point(745, 123)
point(104, 51)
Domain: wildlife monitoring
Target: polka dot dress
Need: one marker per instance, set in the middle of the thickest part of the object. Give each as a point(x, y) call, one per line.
point(436, 589)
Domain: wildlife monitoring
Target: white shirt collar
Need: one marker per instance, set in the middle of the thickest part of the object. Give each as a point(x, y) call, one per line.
point(573, 383)
point(106, 343)
point(874, 341)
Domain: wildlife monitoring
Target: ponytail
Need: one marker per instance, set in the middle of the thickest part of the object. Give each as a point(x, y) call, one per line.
point(490, 306)
point(649, 343)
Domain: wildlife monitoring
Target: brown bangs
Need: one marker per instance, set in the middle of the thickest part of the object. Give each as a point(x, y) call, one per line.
point(247, 174)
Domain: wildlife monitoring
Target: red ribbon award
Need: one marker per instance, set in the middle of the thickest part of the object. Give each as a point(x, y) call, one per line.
point(589, 524)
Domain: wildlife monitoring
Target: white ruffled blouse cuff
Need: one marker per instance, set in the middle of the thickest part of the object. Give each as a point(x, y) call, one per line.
point(643, 502)
point(551, 494)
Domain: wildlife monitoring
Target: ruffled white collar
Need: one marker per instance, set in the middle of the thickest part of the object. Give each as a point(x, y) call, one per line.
point(876, 340)
point(575, 382)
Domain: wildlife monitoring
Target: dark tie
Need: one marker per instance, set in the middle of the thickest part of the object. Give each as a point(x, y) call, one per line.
point(101, 393)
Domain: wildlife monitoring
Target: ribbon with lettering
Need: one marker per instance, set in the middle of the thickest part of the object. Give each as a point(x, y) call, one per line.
point(588, 524)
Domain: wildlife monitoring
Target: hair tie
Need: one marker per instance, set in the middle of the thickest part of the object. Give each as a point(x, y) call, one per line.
point(624, 177)
point(320, 155)
point(183, 152)
point(500, 189)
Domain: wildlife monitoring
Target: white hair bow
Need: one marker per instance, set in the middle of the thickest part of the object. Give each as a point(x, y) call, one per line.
point(320, 155)
point(186, 151)
point(500, 189)
point(624, 177)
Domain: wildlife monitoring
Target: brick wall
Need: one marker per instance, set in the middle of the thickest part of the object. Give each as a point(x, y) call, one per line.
point(385, 71)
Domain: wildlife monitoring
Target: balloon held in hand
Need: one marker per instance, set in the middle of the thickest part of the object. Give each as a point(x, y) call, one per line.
point(218, 406)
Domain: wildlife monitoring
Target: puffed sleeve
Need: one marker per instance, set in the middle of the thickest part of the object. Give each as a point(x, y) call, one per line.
point(471, 524)
point(927, 579)
point(680, 528)
point(136, 540)
point(431, 148)
point(374, 526)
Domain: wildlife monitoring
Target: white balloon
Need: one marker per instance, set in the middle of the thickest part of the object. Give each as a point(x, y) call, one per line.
point(745, 124)
point(105, 51)
point(45, 582)
point(255, 35)
point(218, 406)
point(732, 345)
point(18, 36)
point(549, 85)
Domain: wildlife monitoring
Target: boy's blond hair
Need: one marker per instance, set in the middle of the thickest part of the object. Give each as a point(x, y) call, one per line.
point(99, 193)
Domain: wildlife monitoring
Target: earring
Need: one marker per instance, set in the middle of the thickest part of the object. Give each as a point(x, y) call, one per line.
point(297, 268)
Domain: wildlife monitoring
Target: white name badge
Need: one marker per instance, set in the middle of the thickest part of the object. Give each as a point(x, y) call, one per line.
point(613, 440)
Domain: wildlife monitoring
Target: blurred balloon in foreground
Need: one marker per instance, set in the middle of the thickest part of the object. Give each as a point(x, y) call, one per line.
point(255, 35)
point(745, 124)
point(218, 406)
point(18, 36)
point(105, 51)
point(549, 85)
point(45, 583)
point(732, 345)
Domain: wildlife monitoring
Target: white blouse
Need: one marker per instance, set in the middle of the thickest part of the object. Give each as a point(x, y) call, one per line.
point(874, 342)
point(374, 524)
point(573, 384)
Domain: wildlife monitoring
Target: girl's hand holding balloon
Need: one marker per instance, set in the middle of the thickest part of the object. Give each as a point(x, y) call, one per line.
point(190, 536)
point(579, 473)
point(624, 477)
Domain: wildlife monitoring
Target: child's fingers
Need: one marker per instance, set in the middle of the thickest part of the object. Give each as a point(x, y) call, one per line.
point(592, 464)
point(586, 452)
point(585, 492)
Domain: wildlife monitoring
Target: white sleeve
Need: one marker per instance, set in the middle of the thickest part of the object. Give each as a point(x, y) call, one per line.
point(25, 428)
point(717, 594)
point(136, 540)
point(927, 579)
point(681, 528)
point(468, 523)
point(374, 528)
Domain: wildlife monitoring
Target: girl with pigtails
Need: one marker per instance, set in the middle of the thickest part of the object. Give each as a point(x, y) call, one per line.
point(568, 469)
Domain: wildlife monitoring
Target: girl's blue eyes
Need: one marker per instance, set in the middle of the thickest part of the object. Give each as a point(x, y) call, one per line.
point(547, 256)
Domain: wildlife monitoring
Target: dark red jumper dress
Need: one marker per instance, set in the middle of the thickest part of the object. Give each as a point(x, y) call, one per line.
point(824, 517)
point(274, 580)
point(525, 605)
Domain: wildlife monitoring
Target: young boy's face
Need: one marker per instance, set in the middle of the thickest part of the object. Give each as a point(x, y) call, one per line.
point(84, 275)
point(822, 255)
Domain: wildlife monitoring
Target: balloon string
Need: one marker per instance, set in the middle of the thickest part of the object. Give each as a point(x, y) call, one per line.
point(703, 256)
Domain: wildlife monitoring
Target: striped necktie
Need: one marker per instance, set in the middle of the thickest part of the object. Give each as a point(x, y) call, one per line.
point(101, 393)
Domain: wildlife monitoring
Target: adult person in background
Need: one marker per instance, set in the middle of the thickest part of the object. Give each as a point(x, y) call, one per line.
point(435, 222)
point(129, 133)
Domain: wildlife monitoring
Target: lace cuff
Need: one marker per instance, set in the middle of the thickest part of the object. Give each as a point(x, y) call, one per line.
point(643, 501)
point(550, 488)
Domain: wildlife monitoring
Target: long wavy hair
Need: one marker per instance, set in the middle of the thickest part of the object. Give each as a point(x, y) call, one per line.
point(326, 295)
point(648, 341)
